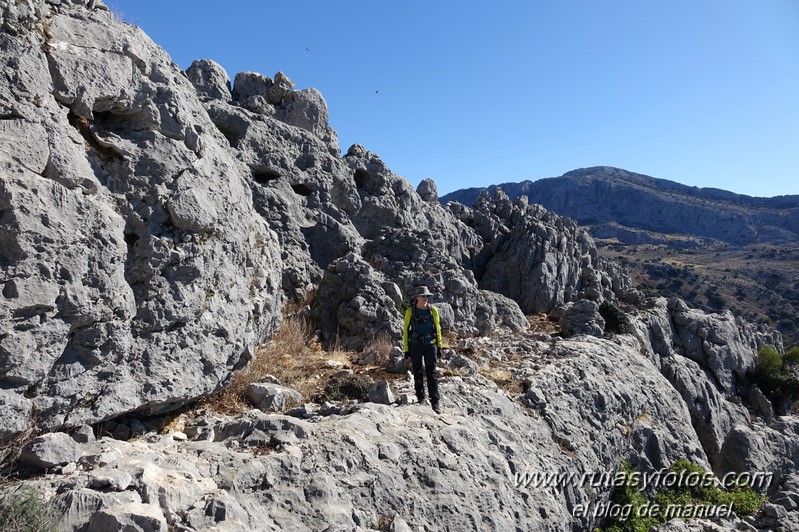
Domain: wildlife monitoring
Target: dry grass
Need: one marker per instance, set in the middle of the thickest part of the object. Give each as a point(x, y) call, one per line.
point(379, 350)
point(500, 376)
point(296, 358)
point(11, 448)
point(542, 323)
point(286, 357)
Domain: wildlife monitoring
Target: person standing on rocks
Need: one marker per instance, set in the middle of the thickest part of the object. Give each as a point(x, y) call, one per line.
point(421, 341)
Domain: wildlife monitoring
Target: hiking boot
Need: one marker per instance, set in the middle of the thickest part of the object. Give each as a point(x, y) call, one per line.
point(422, 401)
point(436, 408)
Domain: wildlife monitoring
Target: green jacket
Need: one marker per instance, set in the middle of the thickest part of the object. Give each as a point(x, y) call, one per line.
point(407, 326)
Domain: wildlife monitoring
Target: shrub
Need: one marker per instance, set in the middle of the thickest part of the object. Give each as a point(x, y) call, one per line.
point(792, 356)
point(348, 387)
point(774, 378)
point(628, 495)
point(25, 511)
point(616, 320)
point(743, 501)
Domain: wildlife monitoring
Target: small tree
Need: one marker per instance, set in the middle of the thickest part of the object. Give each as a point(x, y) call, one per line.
point(616, 320)
point(772, 375)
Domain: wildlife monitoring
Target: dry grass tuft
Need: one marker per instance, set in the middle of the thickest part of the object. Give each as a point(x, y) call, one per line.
point(500, 376)
point(11, 448)
point(378, 351)
point(542, 323)
point(283, 356)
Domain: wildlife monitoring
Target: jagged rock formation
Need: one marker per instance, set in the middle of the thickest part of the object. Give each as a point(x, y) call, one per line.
point(636, 203)
point(153, 222)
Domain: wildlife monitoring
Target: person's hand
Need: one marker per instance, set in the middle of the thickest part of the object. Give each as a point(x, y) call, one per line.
point(407, 354)
point(438, 353)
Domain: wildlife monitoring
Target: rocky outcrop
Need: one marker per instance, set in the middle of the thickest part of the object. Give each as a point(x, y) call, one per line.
point(543, 452)
point(604, 195)
point(136, 274)
point(537, 258)
point(706, 358)
point(210, 204)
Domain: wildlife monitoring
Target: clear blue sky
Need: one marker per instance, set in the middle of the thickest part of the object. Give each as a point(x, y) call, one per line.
point(702, 92)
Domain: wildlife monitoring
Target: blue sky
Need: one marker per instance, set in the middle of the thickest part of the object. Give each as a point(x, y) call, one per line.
point(705, 93)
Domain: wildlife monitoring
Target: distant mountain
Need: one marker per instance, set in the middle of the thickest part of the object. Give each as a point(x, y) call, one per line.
point(605, 195)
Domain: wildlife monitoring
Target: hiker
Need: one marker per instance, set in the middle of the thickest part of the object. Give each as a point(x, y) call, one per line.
point(421, 341)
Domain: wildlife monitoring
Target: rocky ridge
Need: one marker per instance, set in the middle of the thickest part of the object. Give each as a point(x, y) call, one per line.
point(155, 222)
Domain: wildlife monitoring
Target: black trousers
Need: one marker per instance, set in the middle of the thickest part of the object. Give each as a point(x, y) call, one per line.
point(423, 357)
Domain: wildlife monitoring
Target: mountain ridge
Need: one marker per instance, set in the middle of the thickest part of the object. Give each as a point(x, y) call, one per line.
point(606, 194)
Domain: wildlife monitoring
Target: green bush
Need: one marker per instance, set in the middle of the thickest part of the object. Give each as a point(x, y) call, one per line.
point(616, 320)
point(792, 356)
point(769, 361)
point(703, 493)
point(629, 493)
point(744, 501)
point(25, 511)
point(773, 377)
point(349, 387)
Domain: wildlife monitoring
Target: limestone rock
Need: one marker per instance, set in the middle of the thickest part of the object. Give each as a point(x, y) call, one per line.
point(50, 450)
point(581, 317)
point(210, 79)
point(273, 397)
point(380, 392)
point(125, 289)
point(428, 190)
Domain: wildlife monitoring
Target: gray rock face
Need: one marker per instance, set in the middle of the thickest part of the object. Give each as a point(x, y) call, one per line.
point(581, 317)
point(705, 357)
point(124, 289)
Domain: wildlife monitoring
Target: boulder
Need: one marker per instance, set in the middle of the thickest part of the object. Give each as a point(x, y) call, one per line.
point(50, 450)
point(380, 392)
point(271, 397)
point(581, 317)
point(209, 79)
point(428, 190)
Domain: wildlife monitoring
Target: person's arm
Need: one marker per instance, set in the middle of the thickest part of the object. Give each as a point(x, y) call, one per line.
point(437, 323)
point(405, 327)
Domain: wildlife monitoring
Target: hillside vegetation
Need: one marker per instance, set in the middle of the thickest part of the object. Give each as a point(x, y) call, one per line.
point(759, 282)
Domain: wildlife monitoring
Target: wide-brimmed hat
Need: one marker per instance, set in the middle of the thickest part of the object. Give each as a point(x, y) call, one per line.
point(422, 291)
